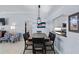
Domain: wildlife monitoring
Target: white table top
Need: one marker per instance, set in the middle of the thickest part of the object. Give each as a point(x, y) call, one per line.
point(39, 35)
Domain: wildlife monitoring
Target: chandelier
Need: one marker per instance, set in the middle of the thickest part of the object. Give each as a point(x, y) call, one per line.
point(40, 24)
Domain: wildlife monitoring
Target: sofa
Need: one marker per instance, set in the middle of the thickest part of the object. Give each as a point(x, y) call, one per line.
point(9, 37)
point(15, 37)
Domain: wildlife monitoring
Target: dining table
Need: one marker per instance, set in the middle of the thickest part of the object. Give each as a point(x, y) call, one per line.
point(39, 35)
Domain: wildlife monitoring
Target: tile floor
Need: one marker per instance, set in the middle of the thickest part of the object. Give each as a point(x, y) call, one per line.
point(15, 48)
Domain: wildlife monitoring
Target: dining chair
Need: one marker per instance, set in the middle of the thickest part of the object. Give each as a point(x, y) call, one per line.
point(38, 45)
point(26, 42)
point(50, 43)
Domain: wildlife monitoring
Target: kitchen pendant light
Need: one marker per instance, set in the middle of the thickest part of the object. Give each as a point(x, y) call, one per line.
point(39, 21)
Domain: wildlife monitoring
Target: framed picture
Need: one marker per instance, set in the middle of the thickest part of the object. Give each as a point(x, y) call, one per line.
point(74, 22)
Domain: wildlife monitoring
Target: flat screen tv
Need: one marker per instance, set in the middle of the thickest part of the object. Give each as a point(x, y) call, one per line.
point(2, 20)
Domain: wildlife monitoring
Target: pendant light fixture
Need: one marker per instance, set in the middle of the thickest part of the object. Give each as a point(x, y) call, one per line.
point(40, 24)
point(39, 18)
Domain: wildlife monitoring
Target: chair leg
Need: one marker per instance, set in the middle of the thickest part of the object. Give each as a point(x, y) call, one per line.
point(44, 48)
point(54, 52)
point(33, 49)
point(25, 49)
point(34, 52)
point(44, 51)
point(53, 49)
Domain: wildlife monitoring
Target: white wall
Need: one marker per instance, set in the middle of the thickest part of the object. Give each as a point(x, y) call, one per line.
point(19, 19)
point(70, 43)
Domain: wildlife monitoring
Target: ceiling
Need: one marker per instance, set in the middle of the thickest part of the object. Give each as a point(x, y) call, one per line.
point(45, 10)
